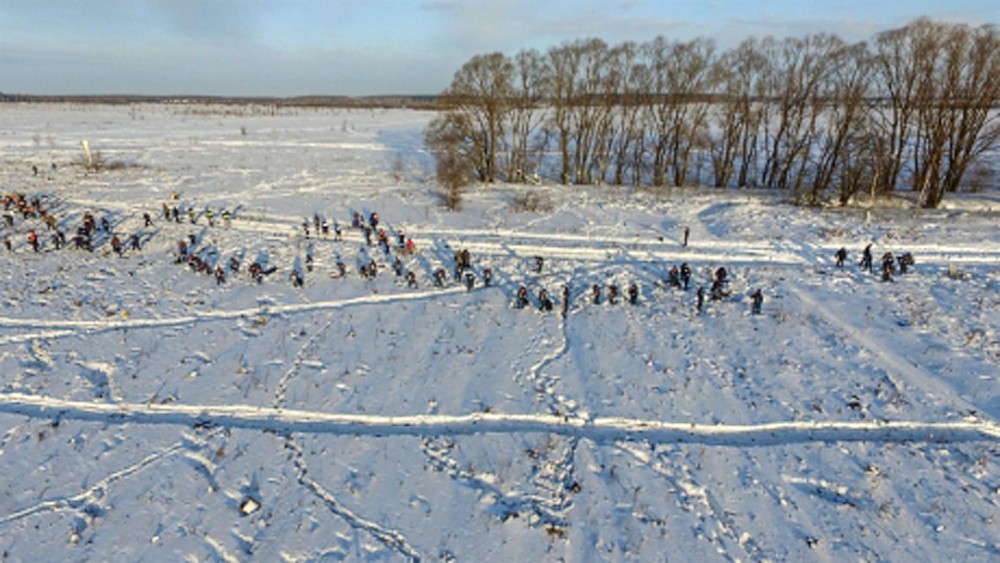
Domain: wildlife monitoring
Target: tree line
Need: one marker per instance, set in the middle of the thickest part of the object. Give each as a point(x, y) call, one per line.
point(827, 120)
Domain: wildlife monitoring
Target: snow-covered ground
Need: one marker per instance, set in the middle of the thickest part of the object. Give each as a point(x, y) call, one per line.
point(148, 413)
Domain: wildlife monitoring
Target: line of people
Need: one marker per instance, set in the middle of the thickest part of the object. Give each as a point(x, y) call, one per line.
point(889, 263)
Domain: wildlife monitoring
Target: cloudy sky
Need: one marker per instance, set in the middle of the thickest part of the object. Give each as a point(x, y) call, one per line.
point(369, 47)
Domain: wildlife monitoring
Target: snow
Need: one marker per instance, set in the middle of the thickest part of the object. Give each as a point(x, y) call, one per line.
point(148, 413)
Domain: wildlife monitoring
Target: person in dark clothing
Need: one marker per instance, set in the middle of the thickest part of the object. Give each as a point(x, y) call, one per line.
point(521, 301)
point(866, 259)
point(147, 219)
point(685, 275)
point(674, 277)
point(487, 277)
point(411, 280)
point(544, 303)
point(439, 276)
point(612, 294)
point(595, 294)
point(470, 281)
point(565, 300)
point(887, 267)
point(905, 261)
point(841, 256)
point(700, 298)
point(257, 272)
point(116, 245)
point(633, 293)
point(687, 233)
point(539, 261)
point(721, 275)
point(756, 299)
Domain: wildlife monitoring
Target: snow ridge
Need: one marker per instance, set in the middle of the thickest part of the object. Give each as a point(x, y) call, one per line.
point(599, 429)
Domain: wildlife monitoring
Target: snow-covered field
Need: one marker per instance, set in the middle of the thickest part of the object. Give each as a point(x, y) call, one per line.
point(148, 413)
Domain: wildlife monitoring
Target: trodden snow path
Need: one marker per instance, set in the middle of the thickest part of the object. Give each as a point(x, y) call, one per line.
point(599, 429)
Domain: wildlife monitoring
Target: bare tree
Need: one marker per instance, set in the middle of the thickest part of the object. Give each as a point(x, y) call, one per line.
point(455, 156)
point(526, 113)
point(481, 91)
point(846, 88)
point(736, 118)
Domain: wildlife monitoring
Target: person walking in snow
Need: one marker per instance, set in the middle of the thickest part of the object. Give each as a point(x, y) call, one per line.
point(470, 281)
point(685, 275)
point(220, 275)
point(887, 267)
point(147, 220)
point(673, 277)
point(595, 294)
point(257, 272)
point(544, 303)
point(33, 240)
point(717, 291)
point(687, 233)
point(439, 276)
point(539, 261)
point(721, 275)
point(866, 259)
point(841, 256)
point(756, 299)
point(612, 294)
point(411, 280)
point(521, 300)
point(633, 293)
point(700, 299)
point(487, 277)
point(905, 261)
point(7, 244)
point(565, 300)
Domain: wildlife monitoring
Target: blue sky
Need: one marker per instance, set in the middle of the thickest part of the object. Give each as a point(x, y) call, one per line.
point(369, 47)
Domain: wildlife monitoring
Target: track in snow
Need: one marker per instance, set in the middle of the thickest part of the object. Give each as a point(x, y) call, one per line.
point(600, 429)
